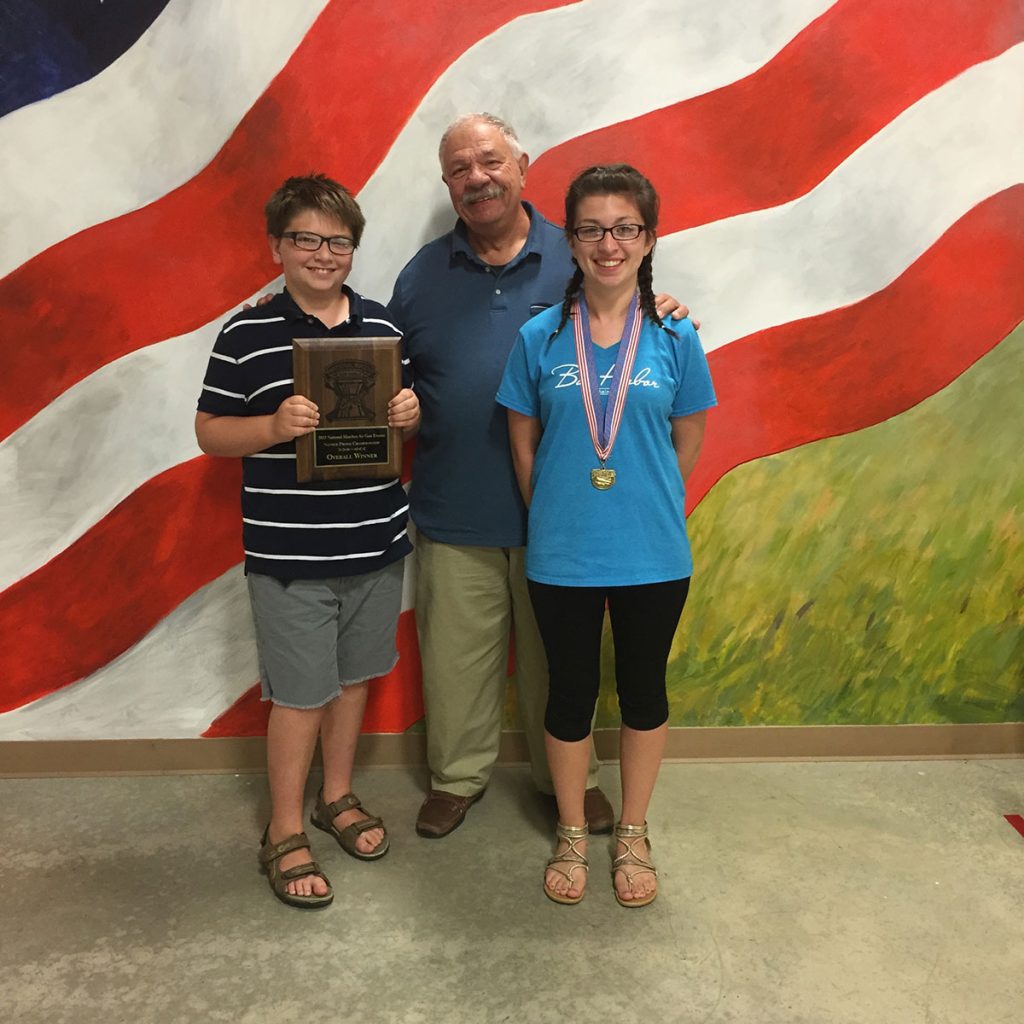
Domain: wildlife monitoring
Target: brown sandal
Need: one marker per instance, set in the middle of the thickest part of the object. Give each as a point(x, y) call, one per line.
point(270, 853)
point(629, 836)
point(323, 818)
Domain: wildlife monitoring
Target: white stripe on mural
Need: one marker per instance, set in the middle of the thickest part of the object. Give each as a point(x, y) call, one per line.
point(192, 58)
point(140, 409)
point(142, 126)
point(189, 668)
point(685, 51)
point(866, 222)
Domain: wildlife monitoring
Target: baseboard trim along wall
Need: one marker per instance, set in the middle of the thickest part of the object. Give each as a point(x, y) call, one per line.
point(39, 758)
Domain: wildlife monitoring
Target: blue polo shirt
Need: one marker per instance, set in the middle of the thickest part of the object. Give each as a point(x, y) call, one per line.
point(460, 319)
point(295, 530)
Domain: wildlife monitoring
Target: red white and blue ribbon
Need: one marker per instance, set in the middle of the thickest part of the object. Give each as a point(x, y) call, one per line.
point(605, 429)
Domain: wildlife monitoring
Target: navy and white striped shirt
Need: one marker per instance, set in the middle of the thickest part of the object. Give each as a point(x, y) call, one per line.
point(309, 530)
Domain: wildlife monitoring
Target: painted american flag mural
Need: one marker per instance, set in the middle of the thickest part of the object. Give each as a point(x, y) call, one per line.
point(842, 205)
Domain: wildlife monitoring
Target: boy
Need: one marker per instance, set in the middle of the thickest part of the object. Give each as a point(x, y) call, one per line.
point(323, 559)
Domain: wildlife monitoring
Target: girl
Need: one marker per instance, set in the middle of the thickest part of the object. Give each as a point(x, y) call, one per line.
point(606, 409)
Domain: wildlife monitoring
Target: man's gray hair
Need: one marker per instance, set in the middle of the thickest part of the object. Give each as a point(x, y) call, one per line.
point(507, 131)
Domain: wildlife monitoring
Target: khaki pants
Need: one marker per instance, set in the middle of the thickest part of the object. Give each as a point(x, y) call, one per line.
point(468, 601)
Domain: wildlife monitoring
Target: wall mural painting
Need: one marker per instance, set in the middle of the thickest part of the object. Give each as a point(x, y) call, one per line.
point(843, 208)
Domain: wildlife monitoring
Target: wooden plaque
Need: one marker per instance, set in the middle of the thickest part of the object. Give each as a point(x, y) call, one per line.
point(351, 380)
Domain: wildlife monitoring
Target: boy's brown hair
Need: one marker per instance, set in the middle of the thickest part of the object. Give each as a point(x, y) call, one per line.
point(313, 192)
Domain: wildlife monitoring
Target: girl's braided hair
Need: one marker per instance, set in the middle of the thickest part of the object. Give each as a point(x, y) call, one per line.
point(614, 180)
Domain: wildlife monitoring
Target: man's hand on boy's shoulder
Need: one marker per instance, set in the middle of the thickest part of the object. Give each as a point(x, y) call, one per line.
point(295, 416)
point(261, 301)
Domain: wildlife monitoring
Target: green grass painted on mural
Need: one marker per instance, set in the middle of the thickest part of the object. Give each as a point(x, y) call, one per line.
point(873, 578)
point(870, 578)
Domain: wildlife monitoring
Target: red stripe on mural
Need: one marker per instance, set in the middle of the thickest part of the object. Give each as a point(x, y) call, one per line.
point(164, 541)
point(1016, 821)
point(172, 266)
point(182, 528)
point(395, 701)
point(774, 135)
point(853, 367)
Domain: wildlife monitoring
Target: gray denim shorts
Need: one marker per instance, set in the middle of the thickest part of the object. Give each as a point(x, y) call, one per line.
point(316, 636)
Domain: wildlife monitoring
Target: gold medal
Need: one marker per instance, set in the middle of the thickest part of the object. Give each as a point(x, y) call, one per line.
point(603, 434)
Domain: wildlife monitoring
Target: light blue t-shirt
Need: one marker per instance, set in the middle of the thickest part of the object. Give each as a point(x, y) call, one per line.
point(635, 532)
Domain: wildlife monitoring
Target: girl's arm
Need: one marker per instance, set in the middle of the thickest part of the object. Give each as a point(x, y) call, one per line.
point(523, 436)
point(687, 435)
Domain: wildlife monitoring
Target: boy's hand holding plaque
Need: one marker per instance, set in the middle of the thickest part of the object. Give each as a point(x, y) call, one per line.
point(351, 380)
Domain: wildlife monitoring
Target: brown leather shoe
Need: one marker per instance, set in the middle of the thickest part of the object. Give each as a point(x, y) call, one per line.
point(598, 811)
point(442, 813)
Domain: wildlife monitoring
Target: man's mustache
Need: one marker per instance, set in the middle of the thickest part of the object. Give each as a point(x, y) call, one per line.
point(475, 195)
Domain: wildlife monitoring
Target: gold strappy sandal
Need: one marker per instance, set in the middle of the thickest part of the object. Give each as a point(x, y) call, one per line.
point(571, 856)
point(629, 836)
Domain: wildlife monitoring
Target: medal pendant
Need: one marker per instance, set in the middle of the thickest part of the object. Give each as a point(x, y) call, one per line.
point(602, 479)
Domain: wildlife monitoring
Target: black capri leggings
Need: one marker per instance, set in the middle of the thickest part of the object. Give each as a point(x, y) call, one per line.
point(644, 620)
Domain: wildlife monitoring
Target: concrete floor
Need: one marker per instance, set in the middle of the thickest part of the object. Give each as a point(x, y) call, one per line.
point(791, 892)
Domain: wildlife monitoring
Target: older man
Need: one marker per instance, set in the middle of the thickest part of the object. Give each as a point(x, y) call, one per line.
point(461, 301)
